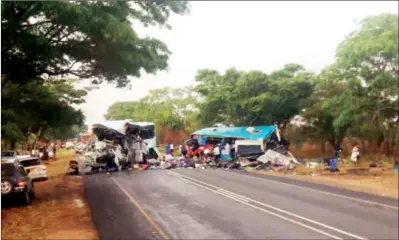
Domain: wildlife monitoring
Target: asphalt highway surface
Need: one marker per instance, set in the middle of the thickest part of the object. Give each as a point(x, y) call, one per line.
point(220, 204)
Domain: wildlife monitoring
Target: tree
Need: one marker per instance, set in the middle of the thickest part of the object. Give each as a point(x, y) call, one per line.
point(82, 38)
point(64, 132)
point(252, 98)
point(324, 109)
point(34, 109)
point(369, 59)
point(173, 108)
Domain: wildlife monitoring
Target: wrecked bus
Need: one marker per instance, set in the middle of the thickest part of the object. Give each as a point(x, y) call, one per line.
point(126, 130)
point(250, 142)
point(123, 133)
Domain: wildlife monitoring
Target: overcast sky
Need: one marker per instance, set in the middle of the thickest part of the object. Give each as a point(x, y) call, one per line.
point(246, 35)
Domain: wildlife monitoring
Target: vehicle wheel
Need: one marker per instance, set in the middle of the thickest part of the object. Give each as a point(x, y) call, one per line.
point(25, 198)
point(32, 194)
point(6, 187)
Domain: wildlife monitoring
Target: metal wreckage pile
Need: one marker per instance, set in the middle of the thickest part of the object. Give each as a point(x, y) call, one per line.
point(261, 147)
point(117, 145)
point(123, 144)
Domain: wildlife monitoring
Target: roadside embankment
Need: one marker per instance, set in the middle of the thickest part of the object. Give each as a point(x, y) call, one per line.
point(59, 210)
point(379, 181)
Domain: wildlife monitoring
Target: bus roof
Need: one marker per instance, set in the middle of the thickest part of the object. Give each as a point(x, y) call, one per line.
point(144, 123)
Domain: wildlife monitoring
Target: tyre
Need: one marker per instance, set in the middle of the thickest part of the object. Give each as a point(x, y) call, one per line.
point(26, 198)
point(6, 187)
point(32, 194)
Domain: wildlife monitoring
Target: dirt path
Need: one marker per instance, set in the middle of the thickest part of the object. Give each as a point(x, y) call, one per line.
point(58, 212)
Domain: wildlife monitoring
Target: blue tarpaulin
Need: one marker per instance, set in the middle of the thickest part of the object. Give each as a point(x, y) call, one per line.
point(261, 132)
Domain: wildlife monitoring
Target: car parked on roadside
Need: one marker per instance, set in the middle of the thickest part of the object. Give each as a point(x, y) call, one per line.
point(9, 155)
point(15, 183)
point(34, 167)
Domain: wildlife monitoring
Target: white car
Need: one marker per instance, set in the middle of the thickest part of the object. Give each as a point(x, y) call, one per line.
point(5, 155)
point(34, 168)
point(69, 145)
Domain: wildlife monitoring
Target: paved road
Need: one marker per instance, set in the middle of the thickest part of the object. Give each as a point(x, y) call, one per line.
point(219, 204)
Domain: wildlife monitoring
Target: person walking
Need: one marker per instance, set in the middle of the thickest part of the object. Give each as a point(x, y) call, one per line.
point(355, 154)
point(167, 148)
point(337, 151)
point(54, 150)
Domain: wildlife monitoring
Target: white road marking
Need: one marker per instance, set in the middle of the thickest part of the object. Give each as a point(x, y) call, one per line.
point(223, 192)
point(232, 195)
point(263, 210)
point(326, 193)
point(146, 216)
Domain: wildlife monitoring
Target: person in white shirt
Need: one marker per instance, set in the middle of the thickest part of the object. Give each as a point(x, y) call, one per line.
point(118, 154)
point(138, 155)
point(216, 150)
point(171, 149)
point(227, 149)
point(355, 154)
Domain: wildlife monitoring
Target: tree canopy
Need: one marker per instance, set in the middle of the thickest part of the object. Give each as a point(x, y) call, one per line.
point(45, 42)
point(34, 109)
point(82, 38)
point(174, 108)
point(254, 97)
point(356, 96)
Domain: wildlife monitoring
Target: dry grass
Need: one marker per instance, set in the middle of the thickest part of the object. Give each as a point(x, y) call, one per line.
point(379, 181)
point(58, 212)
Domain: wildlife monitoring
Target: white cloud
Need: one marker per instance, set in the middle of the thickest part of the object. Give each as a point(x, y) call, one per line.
point(260, 35)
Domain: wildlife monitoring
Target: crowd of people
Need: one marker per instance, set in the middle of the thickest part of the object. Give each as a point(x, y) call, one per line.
point(204, 150)
point(45, 152)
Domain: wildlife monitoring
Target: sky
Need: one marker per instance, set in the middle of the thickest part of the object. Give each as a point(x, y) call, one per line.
point(259, 35)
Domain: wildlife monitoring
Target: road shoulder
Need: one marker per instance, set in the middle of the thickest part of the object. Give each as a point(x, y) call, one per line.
point(334, 186)
point(58, 212)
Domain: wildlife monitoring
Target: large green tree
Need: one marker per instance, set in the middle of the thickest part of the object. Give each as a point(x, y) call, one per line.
point(82, 38)
point(327, 117)
point(35, 109)
point(369, 59)
point(252, 98)
point(42, 42)
point(166, 107)
point(358, 95)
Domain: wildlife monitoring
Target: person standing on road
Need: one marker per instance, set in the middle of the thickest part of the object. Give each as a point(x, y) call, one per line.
point(167, 148)
point(54, 150)
point(337, 151)
point(355, 154)
point(171, 149)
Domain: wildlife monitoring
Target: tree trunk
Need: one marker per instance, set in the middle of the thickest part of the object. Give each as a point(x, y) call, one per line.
point(364, 149)
point(12, 145)
point(387, 147)
point(38, 134)
point(380, 140)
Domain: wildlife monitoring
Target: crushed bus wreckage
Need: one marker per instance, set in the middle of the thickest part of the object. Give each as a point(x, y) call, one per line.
point(118, 144)
point(231, 148)
point(258, 146)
